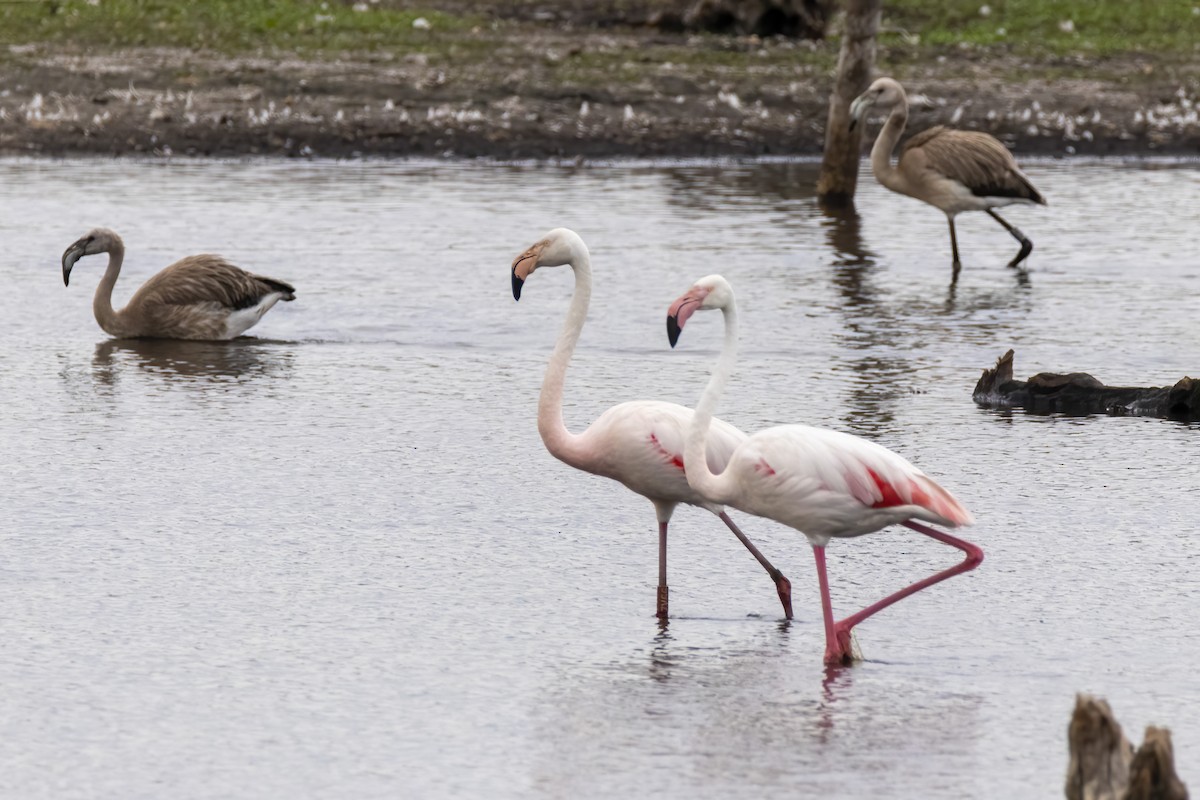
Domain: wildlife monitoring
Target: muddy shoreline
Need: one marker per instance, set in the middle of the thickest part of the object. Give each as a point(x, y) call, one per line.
point(177, 102)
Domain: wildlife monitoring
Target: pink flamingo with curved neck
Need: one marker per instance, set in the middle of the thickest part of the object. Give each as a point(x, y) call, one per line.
point(639, 443)
point(823, 483)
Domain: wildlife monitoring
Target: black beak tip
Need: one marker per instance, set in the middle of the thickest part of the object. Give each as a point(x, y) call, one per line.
point(517, 283)
point(673, 330)
point(853, 124)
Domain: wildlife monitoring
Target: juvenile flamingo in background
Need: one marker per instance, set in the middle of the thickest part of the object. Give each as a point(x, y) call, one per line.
point(823, 483)
point(639, 443)
point(952, 170)
point(199, 297)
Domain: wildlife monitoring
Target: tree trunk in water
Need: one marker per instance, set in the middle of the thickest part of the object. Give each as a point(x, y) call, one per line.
point(856, 60)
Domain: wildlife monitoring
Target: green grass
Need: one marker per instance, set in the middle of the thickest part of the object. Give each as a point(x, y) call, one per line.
point(1036, 27)
point(914, 29)
point(222, 25)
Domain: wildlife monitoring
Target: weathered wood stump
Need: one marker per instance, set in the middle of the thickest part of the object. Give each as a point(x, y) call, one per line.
point(1080, 393)
point(856, 61)
point(1104, 766)
point(1100, 753)
point(1152, 773)
point(804, 19)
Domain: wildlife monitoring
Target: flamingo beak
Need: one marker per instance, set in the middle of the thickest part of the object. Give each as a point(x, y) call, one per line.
point(673, 330)
point(523, 266)
point(859, 108)
point(72, 254)
point(681, 310)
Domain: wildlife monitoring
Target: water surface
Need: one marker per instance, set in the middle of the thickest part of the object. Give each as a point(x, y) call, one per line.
point(334, 560)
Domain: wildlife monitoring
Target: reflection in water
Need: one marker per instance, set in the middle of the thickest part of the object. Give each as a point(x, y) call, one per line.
point(843, 234)
point(887, 326)
point(878, 380)
point(714, 188)
point(235, 361)
point(662, 662)
point(724, 717)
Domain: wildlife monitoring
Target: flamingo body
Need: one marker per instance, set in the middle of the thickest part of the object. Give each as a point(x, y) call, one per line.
point(827, 484)
point(823, 483)
point(200, 297)
point(952, 170)
point(639, 443)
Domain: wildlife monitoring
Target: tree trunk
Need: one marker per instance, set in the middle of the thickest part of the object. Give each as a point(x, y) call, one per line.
point(856, 60)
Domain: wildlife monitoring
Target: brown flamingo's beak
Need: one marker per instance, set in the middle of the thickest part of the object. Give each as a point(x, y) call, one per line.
point(72, 254)
point(859, 108)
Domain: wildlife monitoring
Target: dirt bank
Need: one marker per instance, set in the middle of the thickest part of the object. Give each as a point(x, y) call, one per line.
point(522, 91)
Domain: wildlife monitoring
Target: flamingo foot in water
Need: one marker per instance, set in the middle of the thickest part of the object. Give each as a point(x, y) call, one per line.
point(838, 642)
point(784, 587)
point(840, 652)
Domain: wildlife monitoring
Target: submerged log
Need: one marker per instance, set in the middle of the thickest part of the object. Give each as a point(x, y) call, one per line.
point(1103, 765)
point(1080, 393)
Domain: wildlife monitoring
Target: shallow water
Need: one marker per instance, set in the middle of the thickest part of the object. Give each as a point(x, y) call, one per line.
point(334, 560)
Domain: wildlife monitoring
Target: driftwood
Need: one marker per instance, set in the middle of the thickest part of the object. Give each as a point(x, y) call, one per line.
point(805, 19)
point(843, 145)
point(1080, 393)
point(1104, 766)
point(1152, 773)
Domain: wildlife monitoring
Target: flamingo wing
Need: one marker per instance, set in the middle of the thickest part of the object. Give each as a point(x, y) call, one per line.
point(975, 159)
point(831, 484)
point(640, 444)
point(209, 279)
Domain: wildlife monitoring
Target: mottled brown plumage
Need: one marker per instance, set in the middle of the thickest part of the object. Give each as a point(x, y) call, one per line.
point(976, 160)
point(197, 297)
point(952, 170)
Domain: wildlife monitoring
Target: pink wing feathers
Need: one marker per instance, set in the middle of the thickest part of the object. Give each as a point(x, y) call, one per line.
point(879, 478)
point(827, 483)
point(640, 444)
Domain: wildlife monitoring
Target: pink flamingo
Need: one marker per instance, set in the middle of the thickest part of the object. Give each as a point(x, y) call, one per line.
point(823, 483)
point(639, 443)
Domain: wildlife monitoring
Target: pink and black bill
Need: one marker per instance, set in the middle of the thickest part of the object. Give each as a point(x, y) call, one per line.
point(681, 310)
point(522, 266)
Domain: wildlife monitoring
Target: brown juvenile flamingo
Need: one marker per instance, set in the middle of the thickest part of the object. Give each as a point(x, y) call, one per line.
point(198, 297)
point(823, 483)
point(952, 170)
point(639, 443)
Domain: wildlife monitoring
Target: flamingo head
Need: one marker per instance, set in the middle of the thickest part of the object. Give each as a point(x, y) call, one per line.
point(707, 294)
point(557, 248)
point(98, 240)
point(884, 93)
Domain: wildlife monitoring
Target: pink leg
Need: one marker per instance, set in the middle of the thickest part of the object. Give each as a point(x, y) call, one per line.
point(840, 650)
point(661, 611)
point(782, 585)
point(834, 653)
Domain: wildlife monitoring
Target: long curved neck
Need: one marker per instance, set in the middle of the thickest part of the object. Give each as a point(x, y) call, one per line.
point(561, 443)
point(695, 462)
point(102, 302)
point(885, 144)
